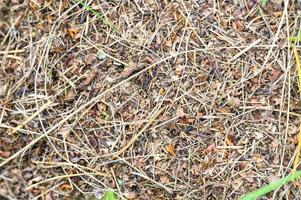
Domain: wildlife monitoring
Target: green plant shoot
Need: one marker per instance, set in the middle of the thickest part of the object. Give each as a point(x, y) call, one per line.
point(97, 14)
point(264, 2)
point(109, 196)
point(296, 38)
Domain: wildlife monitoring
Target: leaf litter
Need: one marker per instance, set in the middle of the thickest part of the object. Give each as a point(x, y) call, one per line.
point(148, 99)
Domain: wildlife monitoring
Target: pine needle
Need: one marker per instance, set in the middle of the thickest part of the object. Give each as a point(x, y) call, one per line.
point(298, 149)
point(294, 174)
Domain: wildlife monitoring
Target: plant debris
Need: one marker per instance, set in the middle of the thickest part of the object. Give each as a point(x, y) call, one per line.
point(148, 99)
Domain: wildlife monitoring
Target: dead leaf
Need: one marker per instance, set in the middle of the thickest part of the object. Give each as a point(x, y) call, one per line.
point(163, 179)
point(258, 158)
point(224, 23)
point(4, 154)
point(276, 160)
point(148, 60)
point(72, 32)
point(234, 101)
point(273, 178)
point(202, 77)
point(259, 135)
point(3, 89)
point(132, 69)
point(75, 64)
point(274, 75)
point(242, 165)
point(101, 107)
point(90, 77)
point(277, 13)
point(225, 110)
point(211, 147)
point(65, 187)
point(64, 131)
point(70, 95)
point(162, 91)
point(186, 120)
point(180, 112)
point(131, 195)
point(172, 126)
point(237, 26)
point(48, 196)
point(167, 44)
point(256, 115)
point(229, 140)
point(171, 150)
point(251, 3)
point(89, 59)
point(35, 179)
point(199, 115)
point(179, 70)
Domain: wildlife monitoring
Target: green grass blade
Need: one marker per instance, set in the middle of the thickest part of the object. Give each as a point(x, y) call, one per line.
point(97, 14)
point(264, 2)
point(272, 186)
point(109, 195)
point(297, 38)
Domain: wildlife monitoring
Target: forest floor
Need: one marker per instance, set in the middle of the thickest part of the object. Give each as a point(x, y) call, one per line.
point(152, 99)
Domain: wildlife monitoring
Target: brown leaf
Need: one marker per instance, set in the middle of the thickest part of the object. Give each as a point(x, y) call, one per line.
point(229, 140)
point(273, 178)
point(256, 115)
point(148, 60)
point(131, 70)
point(131, 195)
point(163, 179)
point(237, 26)
point(64, 131)
point(179, 61)
point(90, 58)
point(172, 126)
point(199, 115)
point(72, 32)
point(258, 158)
point(65, 187)
point(179, 70)
point(162, 91)
point(171, 150)
point(211, 147)
point(90, 77)
point(70, 95)
point(237, 13)
point(3, 89)
point(167, 44)
point(48, 196)
point(101, 108)
point(4, 154)
point(186, 120)
point(180, 112)
point(242, 165)
point(234, 101)
point(251, 3)
point(277, 13)
point(274, 75)
point(202, 77)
